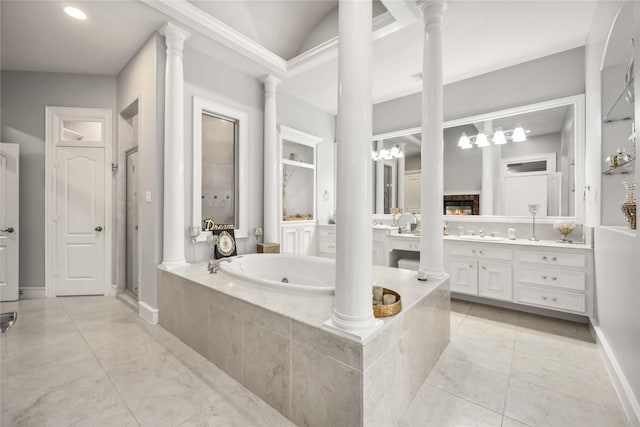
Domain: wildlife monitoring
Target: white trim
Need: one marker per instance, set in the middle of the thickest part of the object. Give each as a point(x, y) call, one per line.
point(32, 292)
point(298, 136)
point(200, 105)
point(148, 313)
point(627, 397)
point(405, 12)
point(53, 116)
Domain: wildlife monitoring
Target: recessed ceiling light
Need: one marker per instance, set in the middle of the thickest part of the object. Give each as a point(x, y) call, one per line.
point(76, 13)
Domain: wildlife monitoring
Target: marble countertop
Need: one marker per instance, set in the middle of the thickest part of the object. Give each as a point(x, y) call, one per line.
point(309, 309)
point(517, 242)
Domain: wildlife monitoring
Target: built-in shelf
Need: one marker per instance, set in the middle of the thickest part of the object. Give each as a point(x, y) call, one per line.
point(298, 164)
point(622, 109)
point(623, 169)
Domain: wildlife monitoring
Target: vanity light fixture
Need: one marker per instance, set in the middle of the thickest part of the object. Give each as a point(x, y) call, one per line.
point(387, 154)
point(76, 13)
point(481, 140)
point(519, 135)
point(499, 138)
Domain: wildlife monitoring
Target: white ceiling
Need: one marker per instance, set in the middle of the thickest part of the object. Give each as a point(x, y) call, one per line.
point(479, 36)
point(281, 25)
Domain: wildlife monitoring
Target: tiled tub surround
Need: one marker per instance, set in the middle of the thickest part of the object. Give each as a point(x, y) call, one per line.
point(273, 342)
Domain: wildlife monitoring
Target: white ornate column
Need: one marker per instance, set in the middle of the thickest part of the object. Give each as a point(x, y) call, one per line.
point(352, 311)
point(431, 203)
point(401, 178)
point(174, 228)
point(272, 184)
point(379, 192)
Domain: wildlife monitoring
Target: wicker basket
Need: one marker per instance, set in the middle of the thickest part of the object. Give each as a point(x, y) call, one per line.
point(388, 310)
point(268, 248)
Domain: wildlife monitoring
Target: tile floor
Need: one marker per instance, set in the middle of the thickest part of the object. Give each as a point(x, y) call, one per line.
point(91, 361)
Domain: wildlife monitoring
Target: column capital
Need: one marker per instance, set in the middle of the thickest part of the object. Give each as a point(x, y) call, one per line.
point(432, 11)
point(270, 83)
point(174, 35)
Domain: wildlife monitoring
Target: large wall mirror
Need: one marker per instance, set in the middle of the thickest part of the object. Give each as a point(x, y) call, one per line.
point(219, 166)
point(495, 164)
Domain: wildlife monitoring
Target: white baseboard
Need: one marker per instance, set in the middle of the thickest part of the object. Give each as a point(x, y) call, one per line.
point(623, 388)
point(32, 292)
point(148, 313)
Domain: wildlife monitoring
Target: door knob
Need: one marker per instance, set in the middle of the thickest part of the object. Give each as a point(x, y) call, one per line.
point(8, 230)
point(98, 228)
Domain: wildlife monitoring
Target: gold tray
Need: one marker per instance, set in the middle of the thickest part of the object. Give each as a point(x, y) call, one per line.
point(388, 310)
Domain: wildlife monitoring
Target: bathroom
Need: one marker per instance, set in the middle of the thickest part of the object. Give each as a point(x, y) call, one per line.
point(230, 78)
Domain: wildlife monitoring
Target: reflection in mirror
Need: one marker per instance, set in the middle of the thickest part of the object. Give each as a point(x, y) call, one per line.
point(81, 130)
point(219, 179)
point(499, 163)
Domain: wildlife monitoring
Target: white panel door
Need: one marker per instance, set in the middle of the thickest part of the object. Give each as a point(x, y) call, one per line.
point(289, 240)
point(464, 276)
point(412, 188)
point(9, 203)
point(305, 240)
point(494, 280)
point(521, 191)
point(80, 221)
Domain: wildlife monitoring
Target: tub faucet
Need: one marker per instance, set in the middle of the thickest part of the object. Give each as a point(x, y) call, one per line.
point(214, 264)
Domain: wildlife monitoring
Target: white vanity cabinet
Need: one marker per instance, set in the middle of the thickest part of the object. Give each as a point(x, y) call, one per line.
point(480, 269)
point(555, 279)
point(545, 275)
point(298, 237)
point(327, 244)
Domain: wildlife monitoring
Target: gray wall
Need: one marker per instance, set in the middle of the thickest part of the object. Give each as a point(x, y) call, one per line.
point(299, 115)
point(213, 80)
point(24, 97)
point(143, 78)
point(546, 78)
point(462, 170)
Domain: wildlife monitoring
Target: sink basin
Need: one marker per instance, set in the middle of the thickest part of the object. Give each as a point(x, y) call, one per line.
point(482, 238)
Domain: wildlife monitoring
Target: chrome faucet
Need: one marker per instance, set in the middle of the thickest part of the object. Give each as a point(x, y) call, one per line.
point(481, 233)
point(214, 264)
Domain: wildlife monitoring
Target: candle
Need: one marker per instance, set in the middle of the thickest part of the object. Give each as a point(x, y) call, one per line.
point(388, 299)
point(377, 293)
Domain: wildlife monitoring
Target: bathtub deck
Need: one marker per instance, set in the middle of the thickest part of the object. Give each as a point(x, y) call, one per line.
point(274, 343)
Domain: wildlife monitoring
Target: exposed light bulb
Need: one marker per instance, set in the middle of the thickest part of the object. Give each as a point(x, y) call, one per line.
point(76, 13)
point(481, 140)
point(464, 141)
point(466, 146)
point(499, 138)
point(519, 134)
point(395, 151)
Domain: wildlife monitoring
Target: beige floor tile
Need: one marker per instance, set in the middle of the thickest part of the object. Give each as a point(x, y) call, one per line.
point(478, 385)
point(496, 333)
point(538, 406)
point(496, 314)
point(481, 353)
point(456, 321)
point(508, 422)
point(434, 407)
point(564, 378)
point(117, 415)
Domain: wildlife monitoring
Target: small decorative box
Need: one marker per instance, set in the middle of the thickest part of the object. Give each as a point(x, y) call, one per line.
point(268, 248)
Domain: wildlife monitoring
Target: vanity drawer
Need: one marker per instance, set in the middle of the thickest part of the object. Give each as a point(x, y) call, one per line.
point(406, 244)
point(481, 251)
point(327, 232)
point(327, 246)
point(552, 277)
point(552, 258)
point(551, 298)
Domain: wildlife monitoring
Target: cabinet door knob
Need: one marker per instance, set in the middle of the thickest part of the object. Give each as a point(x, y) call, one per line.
point(554, 299)
point(554, 278)
point(8, 230)
point(470, 265)
point(544, 277)
point(480, 252)
point(484, 268)
point(473, 251)
point(544, 297)
point(554, 259)
point(98, 229)
point(544, 258)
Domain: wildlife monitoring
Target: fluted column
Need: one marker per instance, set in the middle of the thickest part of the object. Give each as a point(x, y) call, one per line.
point(352, 311)
point(174, 228)
point(272, 184)
point(431, 203)
point(379, 193)
point(400, 178)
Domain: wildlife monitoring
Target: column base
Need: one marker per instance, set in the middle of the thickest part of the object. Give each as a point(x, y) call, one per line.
point(425, 275)
point(356, 332)
point(170, 265)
